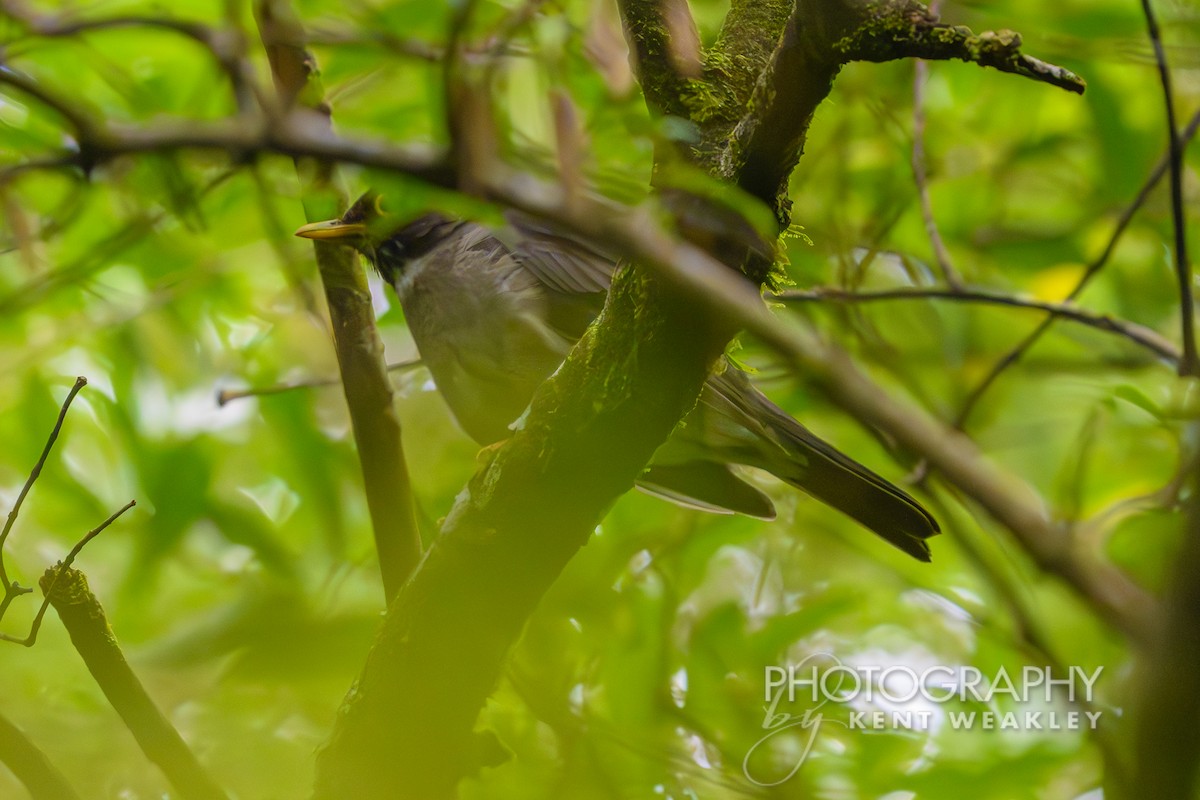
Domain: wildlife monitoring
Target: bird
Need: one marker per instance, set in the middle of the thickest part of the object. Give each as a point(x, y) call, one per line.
point(494, 310)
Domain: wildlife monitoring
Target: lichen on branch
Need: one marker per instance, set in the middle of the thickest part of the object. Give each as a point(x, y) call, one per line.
point(818, 39)
point(891, 38)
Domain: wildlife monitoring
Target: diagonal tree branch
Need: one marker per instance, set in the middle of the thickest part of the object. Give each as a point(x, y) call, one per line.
point(406, 729)
point(1014, 504)
point(40, 777)
point(913, 32)
point(1006, 498)
point(84, 618)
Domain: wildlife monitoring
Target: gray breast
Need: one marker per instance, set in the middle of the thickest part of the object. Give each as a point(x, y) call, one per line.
point(479, 320)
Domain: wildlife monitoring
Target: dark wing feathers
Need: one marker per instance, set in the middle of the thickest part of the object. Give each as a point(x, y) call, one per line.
point(560, 262)
point(575, 276)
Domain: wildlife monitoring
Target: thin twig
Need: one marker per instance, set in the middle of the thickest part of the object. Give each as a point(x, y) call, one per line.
point(1183, 271)
point(411, 48)
point(49, 26)
point(229, 395)
point(920, 173)
point(84, 126)
point(1018, 352)
point(11, 589)
point(1138, 334)
point(39, 164)
point(294, 134)
point(63, 565)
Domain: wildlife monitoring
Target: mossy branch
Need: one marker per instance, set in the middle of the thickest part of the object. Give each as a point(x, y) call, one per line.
point(666, 90)
point(732, 66)
point(909, 34)
point(406, 730)
point(86, 623)
point(819, 38)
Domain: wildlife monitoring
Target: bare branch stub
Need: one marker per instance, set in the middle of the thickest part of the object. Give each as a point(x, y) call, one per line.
point(65, 564)
point(229, 395)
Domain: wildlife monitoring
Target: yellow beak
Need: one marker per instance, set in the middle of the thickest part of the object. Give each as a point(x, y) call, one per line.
point(331, 229)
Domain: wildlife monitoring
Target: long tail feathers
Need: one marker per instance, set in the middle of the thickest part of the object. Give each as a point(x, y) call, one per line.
point(861, 494)
point(815, 467)
point(734, 423)
point(784, 447)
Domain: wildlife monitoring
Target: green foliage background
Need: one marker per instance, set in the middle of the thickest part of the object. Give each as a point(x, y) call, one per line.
point(243, 586)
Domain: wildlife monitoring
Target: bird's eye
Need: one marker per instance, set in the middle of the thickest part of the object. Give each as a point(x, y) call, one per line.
point(379, 205)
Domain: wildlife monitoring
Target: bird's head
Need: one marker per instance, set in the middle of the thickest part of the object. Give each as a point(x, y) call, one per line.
point(386, 240)
point(364, 225)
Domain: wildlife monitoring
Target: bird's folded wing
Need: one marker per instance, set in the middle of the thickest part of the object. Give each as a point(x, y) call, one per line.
point(557, 259)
